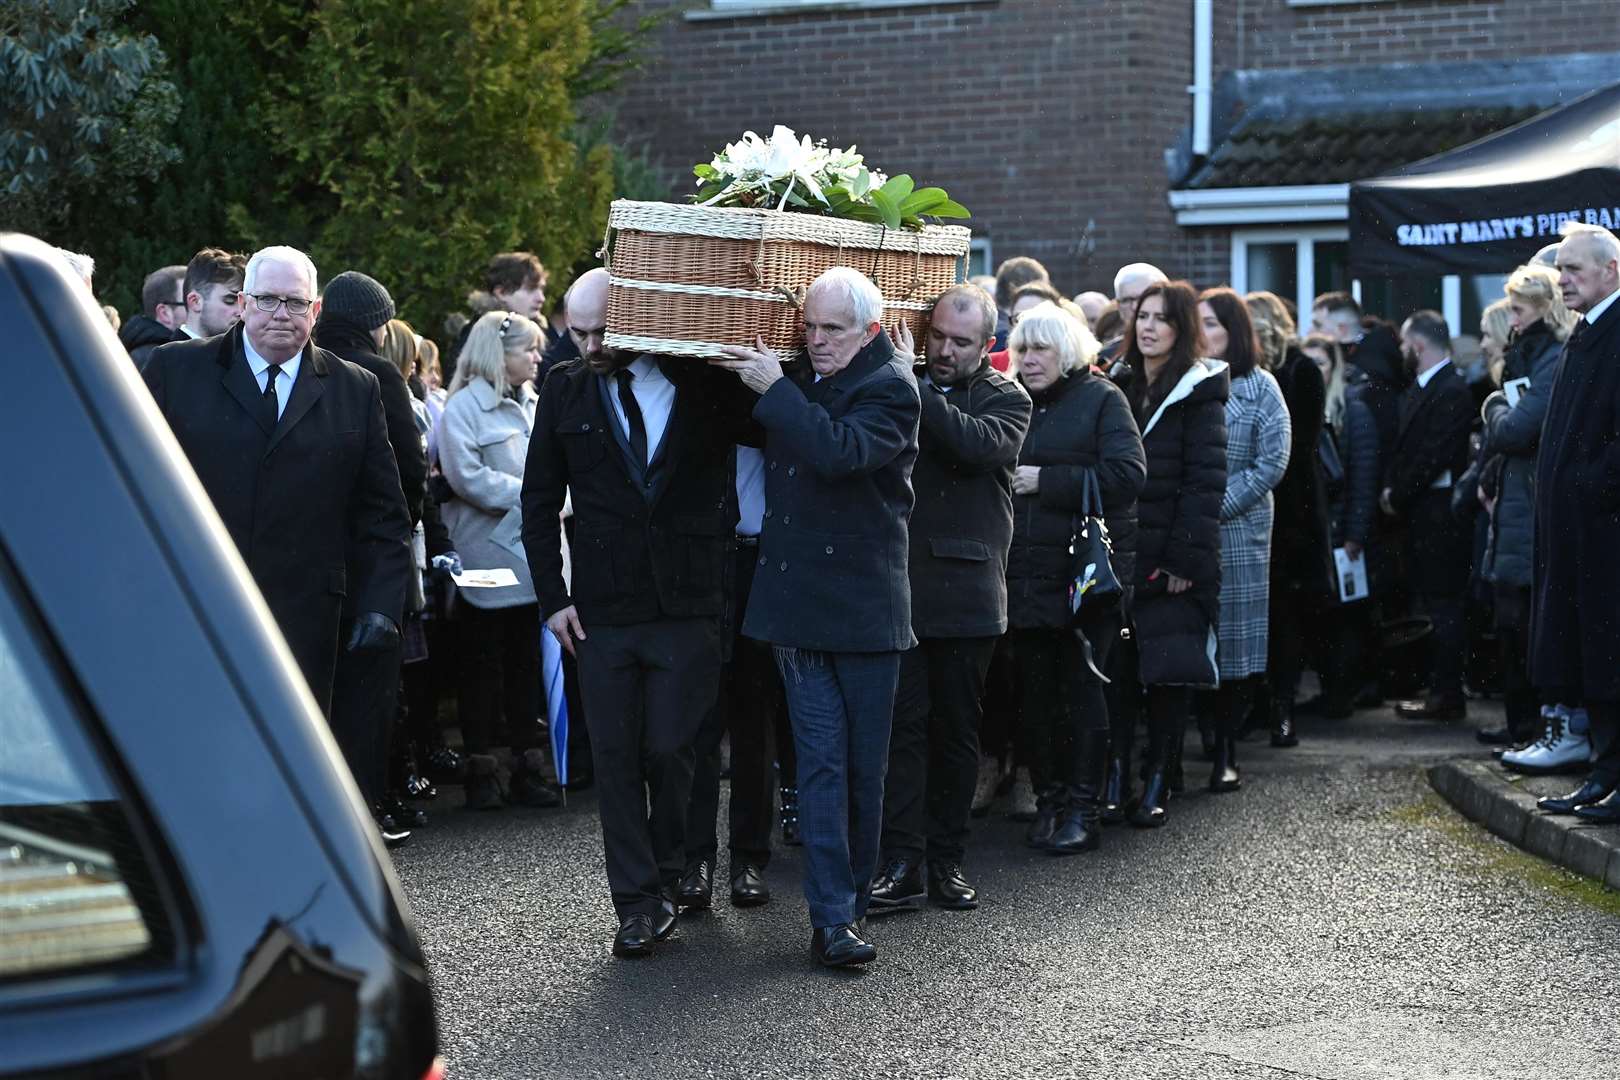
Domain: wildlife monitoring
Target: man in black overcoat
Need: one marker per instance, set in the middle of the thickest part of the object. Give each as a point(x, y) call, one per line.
point(972, 426)
point(290, 443)
point(1429, 455)
point(1575, 617)
point(643, 445)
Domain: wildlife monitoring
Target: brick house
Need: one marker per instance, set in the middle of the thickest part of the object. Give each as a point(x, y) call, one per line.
point(1213, 137)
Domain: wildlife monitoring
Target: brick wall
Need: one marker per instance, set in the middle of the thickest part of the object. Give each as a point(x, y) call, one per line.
point(1272, 34)
point(1047, 118)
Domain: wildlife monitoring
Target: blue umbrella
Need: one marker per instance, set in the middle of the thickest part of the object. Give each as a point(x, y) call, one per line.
point(551, 671)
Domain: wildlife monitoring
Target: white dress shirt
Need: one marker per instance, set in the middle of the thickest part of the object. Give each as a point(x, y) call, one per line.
point(1423, 379)
point(750, 490)
point(656, 396)
point(284, 382)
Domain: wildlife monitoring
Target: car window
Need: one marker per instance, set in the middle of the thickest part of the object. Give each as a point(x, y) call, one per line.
point(75, 888)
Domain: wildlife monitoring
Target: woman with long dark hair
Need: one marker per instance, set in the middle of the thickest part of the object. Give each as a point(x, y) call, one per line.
point(1257, 450)
point(1179, 401)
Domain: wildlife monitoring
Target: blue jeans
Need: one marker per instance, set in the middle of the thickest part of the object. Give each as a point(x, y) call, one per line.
point(841, 705)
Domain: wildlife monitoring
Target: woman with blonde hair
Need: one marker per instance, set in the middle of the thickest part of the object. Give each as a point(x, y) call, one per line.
point(1302, 573)
point(1513, 415)
point(1082, 438)
point(483, 442)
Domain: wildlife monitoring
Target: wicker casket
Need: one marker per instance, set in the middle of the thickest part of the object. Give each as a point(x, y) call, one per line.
point(685, 280)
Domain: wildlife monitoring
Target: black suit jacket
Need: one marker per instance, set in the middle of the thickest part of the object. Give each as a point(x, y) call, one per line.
point(637, 555)
point(318, 492)
point(1431, 438)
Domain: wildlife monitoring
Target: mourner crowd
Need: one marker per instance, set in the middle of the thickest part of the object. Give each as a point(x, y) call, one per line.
point(903, 581)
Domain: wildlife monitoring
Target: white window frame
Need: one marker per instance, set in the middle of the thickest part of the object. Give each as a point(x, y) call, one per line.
point(975, 246)
point(1304, 241)
point(745, 9)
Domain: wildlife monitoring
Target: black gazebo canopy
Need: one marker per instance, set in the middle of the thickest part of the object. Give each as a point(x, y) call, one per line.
point(1487, 207)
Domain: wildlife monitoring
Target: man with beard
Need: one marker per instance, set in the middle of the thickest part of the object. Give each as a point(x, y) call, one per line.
point(1430, 453)
point(972, 425)
point(642, 445)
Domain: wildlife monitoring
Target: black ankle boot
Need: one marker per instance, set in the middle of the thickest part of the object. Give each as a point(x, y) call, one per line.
point(1150, 812)
point(1116, 791)
point(1223, 775)
point(1048, 802)
point(1283, 733)
point(1080, 826)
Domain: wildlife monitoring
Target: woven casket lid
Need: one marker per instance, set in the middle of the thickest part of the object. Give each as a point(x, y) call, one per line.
point(753, 224)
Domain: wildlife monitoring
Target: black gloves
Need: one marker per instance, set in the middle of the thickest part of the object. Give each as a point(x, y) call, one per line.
point(373, 631)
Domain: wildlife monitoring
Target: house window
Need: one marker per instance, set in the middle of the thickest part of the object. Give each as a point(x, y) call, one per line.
point(979, 260)
point(1297, 264)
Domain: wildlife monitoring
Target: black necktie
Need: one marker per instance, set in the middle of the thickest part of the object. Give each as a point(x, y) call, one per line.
point(632, 414)
point(271, 404)
point(1579, 332)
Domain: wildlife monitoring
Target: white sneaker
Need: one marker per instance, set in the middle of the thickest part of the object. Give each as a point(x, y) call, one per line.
point(1023, 797)
point(984, 791)
point(1560, 749)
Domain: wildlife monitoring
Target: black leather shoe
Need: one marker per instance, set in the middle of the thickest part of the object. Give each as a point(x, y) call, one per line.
point(898, 887)
point(1588, 793)
point(635, 937)
point(748, 888)
point(1078, 830)
point(403, 813)
point(443, 764)
point(663, 920)
point(393, 833)
point(1039, 833)
point(1604, 812)
point(841, 946)
point(1224, 775)
point(697, 888)
point(1431, 708)
point(1116, 792)
point(1149, 812)
point(947, 888)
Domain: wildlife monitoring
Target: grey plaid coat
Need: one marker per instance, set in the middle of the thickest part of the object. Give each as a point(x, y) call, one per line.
point(1258, 435)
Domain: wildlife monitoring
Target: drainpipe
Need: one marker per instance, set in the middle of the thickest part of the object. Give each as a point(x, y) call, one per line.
point(1203, 84)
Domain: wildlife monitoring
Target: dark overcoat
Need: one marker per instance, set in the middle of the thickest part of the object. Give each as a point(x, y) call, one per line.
point(313, 504)
point(1301, 552)
point(1575, 623)
point(649, 543)
point(1179, 530)
point(832, 556)
point(1512, 438)
point(967, 448)
point(1081, 424)
point(1431, 442)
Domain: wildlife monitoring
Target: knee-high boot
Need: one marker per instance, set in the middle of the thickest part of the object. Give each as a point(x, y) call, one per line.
point(1080, 827)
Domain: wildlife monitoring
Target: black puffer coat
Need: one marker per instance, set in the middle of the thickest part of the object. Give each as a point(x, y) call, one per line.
point(140, 334)
point(1179, 529)
point(1300, 554)
point(1378, 357)
point(1081, 423)
point(1512, 437)
point(1353, 497)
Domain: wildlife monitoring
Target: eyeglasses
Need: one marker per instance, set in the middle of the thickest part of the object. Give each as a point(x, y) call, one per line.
point(173, 303)
point(296, 305)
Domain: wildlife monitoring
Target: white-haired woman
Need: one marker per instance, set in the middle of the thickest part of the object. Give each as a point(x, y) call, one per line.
point(1081, 437)
point(1513, 416)
point(483, 442)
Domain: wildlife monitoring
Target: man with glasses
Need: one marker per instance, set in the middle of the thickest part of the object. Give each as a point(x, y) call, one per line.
point(290, 443)
point(163, 307)
point(212, 285)
point(1132, 280)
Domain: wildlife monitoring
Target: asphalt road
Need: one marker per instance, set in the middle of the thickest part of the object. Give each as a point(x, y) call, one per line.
point(1332, 919)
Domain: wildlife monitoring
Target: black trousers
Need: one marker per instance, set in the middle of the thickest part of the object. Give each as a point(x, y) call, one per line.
point(934, 749)
point(1439, 557)
point(498, 691)
point(1519, 698)
point(647, 688)
point(365, 691)
point(1060, 697)
point(751, 707)
point(1605, 734)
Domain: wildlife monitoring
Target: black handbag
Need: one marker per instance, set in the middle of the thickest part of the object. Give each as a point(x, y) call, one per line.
point(1093, 585)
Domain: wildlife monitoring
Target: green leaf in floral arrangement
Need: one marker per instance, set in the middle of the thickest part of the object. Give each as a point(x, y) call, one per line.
point(887, 206)
point(863, 184)
point(949, 209)
point(898, 189)
point(923, 200)
point(705, 172)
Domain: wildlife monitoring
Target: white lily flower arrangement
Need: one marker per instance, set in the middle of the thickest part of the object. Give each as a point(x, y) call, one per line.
point(789, 172)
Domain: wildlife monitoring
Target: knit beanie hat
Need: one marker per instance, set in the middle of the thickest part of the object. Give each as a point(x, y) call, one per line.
point(355, 298)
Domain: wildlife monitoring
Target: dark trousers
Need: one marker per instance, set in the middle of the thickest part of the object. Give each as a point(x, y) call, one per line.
point(422, 682)
point(998, 717)
point(934, 749)
point(365, 690)
point(1439, 552)
point(841, 705)
point(1605, 735)
point(647, 688)
point(1522, 704)
point(1059, 698)
point(498, 697)
point(1300, 626)
point(750, 706)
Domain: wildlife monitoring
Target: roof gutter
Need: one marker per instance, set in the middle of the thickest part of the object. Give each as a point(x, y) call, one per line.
point(1261, 205)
